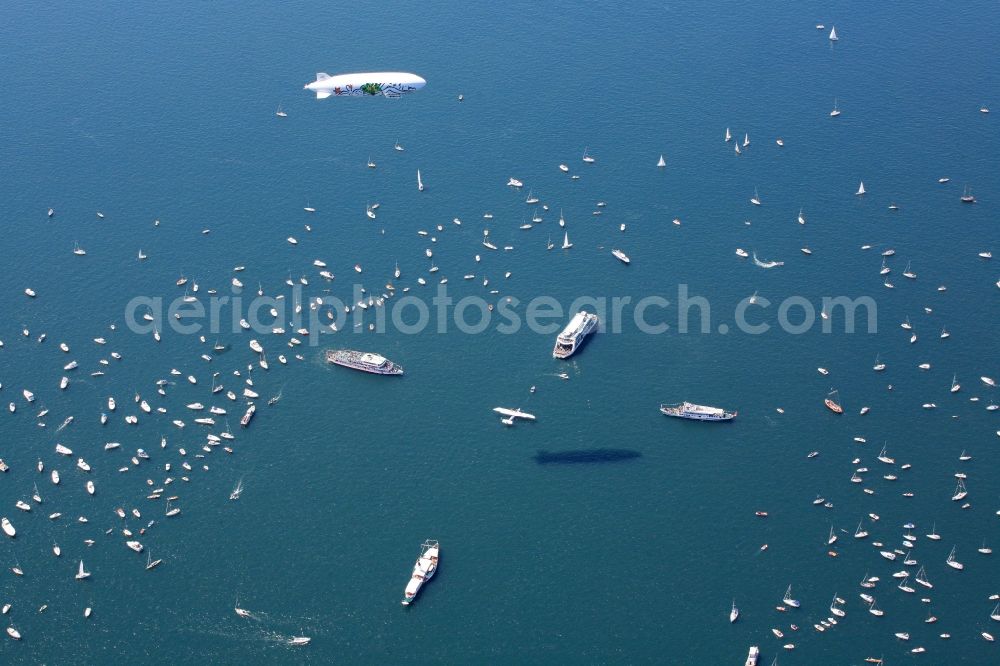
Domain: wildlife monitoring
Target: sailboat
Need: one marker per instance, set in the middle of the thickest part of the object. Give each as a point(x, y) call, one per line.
point(861, 189)
point(944, 333)
point(420, 183)
point(237, 490)
point(879, 365)
point(922, 578)
point(960, 492)
point(907, 273)
point(729, 137)
point(77, 250)
point(955, 387)
point(835, 609)
point(396, 273)
point(995, 615)
point(967, 196)
point(549, 244)
point(371, 162)
point(736, 146)
point(788, 600)
point(150, 562)
point(662, 163)
point(566, 244)
point(836, 110)
point(562, 221)
point(952, 562)
point(756, 198)
point(802, 220)
point(587, 158)
point(884, 457)
point(833, 34)
point(832, 404)
point(934, 536)
point(860, 533)
point(280, 113)
point(82, 573)
point(877, 612)
point(832, 539)
point(734, 613)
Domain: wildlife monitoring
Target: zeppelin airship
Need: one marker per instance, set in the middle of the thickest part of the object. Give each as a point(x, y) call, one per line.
point(386, 84)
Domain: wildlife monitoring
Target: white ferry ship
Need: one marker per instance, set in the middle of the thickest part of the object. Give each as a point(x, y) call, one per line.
point(688, 410)
point(579, 327)
point(364, 361)
point(752, 656)
point(423, 570)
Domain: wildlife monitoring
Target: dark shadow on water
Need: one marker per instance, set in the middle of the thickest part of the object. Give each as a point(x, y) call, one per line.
point(586, 456)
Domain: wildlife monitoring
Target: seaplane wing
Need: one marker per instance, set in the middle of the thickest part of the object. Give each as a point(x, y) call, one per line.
point(514, 413)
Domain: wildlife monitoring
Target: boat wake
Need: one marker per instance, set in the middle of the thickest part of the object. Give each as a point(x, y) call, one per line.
point(766, 264)
point(586, 456)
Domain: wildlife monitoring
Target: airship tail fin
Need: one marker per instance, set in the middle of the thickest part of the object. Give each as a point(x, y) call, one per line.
point(322, 94)
point(322, 76)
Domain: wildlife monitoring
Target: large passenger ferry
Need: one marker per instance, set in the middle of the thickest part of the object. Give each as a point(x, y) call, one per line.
point(688, 410)
point(579, 327)
point(364, 361)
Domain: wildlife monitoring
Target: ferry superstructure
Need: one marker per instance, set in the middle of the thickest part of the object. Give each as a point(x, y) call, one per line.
point(579, 327)
point(364, 361)
point(688, 410)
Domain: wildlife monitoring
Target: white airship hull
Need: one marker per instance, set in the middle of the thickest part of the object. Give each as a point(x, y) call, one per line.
point(386, 84)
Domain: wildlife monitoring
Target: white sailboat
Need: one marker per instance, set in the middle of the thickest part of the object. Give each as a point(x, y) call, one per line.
point(82, 573)
point(237, 490)
point(566, 244)
point(420, 183)
point(836, 109)
point(833, 34)
point(280, 113)
point(662, 163)
point(955, 386)
point(788, 600)
point(861, 189)
point(729, 137)
point(734, 612)
point(952, 562)
point(802, 220)
point(755, 200)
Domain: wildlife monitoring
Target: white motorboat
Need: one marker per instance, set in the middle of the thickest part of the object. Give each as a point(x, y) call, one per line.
point(424, 569)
